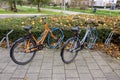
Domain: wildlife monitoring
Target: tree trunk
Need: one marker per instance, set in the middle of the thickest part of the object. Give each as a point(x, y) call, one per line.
point(15, 8)
point(11, 7)
point(38, 7)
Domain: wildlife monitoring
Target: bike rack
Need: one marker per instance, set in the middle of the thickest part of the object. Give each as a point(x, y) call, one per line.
point(107, 41)
point(7, 38)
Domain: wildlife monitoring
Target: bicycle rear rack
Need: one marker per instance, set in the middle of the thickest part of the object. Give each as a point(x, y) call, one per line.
point(108, 40)
point(7, 38)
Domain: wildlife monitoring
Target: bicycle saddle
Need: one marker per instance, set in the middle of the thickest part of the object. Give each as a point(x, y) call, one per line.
point(27, 28)
point(75, 29)
point(89, 21)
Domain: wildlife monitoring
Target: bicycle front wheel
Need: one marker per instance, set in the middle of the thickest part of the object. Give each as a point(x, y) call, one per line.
point(18, 54)
point(68, 51)
point(91, 38)
point(52, 43)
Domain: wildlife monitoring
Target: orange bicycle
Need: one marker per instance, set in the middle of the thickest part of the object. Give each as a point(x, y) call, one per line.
point(24, 49)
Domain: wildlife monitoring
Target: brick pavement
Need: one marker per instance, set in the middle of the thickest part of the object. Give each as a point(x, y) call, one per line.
point(47, 65)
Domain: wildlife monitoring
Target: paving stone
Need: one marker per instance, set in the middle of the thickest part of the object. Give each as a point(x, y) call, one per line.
point(57, 58)
point(32, 77)
point(5, 76)
point(23, 67)
point(58, 63)
point(36, 62)
point(100, 79)
point(90, 60)
point(101, 63)
point(83, 69)
point(70, 66)
point(72, 79)
point(97, 73)
point(93, 66)
point(1, 71)
point(9, 69)
point(45, 78)
point(79, 56)
point(58, 69)
point(106, 69)
point(3, 65)
point(17, 79)
point(46, 66)
point(58, 77)
point(112, 76)
point(86, 54)
point(11, 63)
point(118, 72)
point(114, 65)
point(85, 77)
point(38, 56)
point(48, 59)
point(97, 57)
point(95, 53)
point(45, 73)
point(80, 62)
point(33, 69)
point(19, 74)
point(71, 73)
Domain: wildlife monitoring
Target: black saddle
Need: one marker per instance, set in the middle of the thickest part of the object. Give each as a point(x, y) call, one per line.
point(75, 29)
point(27, 28)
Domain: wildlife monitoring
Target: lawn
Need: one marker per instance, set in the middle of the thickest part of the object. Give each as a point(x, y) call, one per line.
point(27, 10)
point(90, 11)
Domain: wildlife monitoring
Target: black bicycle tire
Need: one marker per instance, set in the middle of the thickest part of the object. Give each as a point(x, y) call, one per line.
point(12, 51)
point(62, 52)
point(62, 37)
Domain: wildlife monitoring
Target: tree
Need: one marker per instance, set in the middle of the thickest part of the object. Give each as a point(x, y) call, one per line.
point(40, 2)
point(12, 4)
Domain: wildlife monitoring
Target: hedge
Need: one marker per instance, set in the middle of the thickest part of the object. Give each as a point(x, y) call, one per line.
point(64, 22)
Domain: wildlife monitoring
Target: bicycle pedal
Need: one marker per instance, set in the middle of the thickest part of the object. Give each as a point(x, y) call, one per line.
point(40, 47)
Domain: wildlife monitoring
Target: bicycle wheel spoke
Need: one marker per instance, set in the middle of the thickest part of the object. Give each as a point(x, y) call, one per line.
point(55, 43)
point(18, 53)
point(68, 52)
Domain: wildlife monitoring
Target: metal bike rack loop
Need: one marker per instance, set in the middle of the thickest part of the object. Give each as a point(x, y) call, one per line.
point(7, 38)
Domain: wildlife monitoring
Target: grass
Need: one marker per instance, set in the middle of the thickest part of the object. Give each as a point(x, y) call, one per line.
point(90, 11)
point(98, 12)
point(27, 10)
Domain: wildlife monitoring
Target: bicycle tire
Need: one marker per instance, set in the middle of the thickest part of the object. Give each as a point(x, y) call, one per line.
point(52, 43)
point(68, 47)
point(91, 38)
point(16, 52)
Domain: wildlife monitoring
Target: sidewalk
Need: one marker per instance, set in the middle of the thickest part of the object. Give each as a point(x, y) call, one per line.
point(24, 15)
point(2, 16)
point(47, 65)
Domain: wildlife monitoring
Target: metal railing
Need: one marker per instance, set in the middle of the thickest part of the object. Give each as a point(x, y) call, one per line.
point(7, 38)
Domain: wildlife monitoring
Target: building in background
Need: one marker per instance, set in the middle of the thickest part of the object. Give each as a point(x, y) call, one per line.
point(101, 3)
point(104, 2)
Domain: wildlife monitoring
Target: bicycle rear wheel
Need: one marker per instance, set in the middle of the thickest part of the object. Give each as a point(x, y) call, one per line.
point(52, 43)
point(68, 51)
point(18, 54)
point(91, 38)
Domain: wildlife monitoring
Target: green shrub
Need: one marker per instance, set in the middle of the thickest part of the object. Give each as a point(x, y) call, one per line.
point(64, 22)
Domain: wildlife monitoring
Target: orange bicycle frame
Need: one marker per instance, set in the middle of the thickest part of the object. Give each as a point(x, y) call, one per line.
point(41, 41)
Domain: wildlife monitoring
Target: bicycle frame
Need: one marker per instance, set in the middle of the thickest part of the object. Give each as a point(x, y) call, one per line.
point(41, 41)
point(88, 31)
point(80, 43)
